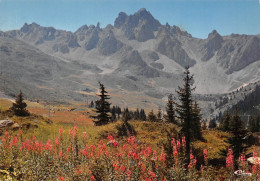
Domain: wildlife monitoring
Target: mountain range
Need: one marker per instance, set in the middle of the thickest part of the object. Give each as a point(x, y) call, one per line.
point(138, 59)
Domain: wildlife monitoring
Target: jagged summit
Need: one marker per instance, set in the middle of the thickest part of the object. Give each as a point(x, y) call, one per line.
point(213, 34)
point(82, 28)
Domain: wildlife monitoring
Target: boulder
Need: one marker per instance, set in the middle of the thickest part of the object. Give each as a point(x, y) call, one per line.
point(6, 123)
point(15, 126)
point(254, 160)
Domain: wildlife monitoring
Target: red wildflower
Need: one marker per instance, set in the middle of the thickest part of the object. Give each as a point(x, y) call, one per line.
point(162, 156)
point(183, 141)
point(61, 178)
point(131, 140)
point(61, 131)
point(92, 177)
point(6, 134)
point(110, 138)
point(84, 135)
point(57, 141)
point(122, 168)
point(229, 159)
point(151, 174)
point(14, 141)
point(193, 161)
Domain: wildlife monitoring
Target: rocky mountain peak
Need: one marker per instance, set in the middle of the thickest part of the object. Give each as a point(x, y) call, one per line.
point(144, 15)
point(27, 28)
point(139, 26)
point(82, 28)
point(120, 20)
point(214, 34)
point(143, 12)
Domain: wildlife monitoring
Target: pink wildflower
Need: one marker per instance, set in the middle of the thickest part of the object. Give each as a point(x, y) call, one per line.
point(229, 159)
point(110, 138)
point(162, 156)
point(183, 141)
point(92, 177)
point(84, 135)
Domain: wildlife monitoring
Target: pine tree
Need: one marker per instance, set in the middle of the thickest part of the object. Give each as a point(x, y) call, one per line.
point(151, 116)
point(212, 123)
point(225, 122)
point(126, 115)
point(170, 114)
point(113, 113)
point(102, 107)
point(159, 115)
point(251, 125)
point(137, 114)
point(91, 104)
point(118, 111)
point(142, 115)
point(196, 124)
point(19, 107)
point(185, 110)
point(237, 142)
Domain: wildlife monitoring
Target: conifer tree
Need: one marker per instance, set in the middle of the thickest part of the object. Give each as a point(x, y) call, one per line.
point(225, 122)
point(237, 142)
point(151, 116)
point(159, 115)
point(185, 110)
point(170, 114)
point(113, 113)
point(212, 123)
point(91, 104)
point(196, 122)
point(126, 115)
point(137, 114)
point(142, 115)
point(19, 107)
point(102, 107)
point(252, 124)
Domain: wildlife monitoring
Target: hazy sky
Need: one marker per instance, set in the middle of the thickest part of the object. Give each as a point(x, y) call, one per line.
point(198, 17)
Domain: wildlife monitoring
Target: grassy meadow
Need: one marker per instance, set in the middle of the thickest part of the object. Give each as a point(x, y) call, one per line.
point(70, 147)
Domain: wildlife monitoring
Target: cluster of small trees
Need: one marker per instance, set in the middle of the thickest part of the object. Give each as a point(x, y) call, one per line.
point(187, 115)
point(227, 122)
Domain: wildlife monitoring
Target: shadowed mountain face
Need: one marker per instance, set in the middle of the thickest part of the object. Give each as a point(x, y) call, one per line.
point(137, 53)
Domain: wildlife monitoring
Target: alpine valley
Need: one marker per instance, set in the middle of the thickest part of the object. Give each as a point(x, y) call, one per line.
point(138, 59)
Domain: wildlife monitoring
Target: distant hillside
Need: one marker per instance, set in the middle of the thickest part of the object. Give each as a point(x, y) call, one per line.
point(250, 105)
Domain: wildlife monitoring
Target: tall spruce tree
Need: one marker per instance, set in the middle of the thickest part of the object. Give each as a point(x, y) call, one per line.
point(185, 111)
point(19, 107)
point(225, 122)
point(170, 113)
point(102, 107)
point(196, 122)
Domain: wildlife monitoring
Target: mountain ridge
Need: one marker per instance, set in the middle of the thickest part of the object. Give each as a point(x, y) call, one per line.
point(139, 53)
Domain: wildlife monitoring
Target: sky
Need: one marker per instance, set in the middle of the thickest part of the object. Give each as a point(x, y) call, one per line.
point(198, 17)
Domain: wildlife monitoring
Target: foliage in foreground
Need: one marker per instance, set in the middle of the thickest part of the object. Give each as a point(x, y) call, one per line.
point(73, 159)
